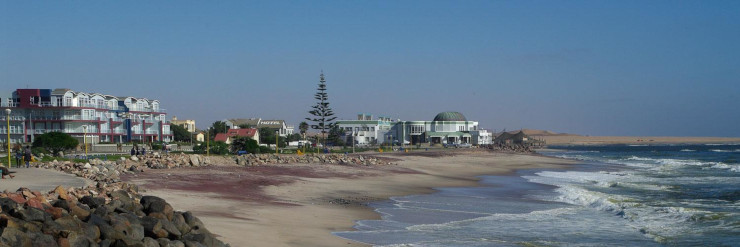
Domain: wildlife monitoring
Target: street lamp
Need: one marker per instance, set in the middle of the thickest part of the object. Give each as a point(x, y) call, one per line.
point(277, 137)
point(7, 111)
point(84, 139)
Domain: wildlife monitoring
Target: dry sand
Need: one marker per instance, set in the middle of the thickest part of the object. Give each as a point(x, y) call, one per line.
point(301, 204)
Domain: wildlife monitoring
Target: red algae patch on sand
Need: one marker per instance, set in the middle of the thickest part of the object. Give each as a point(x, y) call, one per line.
point(244, 183)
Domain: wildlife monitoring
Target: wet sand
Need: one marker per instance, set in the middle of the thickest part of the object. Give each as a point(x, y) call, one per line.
point(301, 204)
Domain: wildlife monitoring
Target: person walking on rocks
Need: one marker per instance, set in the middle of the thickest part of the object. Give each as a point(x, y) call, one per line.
point(27, 156)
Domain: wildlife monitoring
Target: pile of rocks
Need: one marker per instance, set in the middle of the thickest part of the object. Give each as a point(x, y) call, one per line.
point(109, 171)
point(265, 159)
point(112, 215)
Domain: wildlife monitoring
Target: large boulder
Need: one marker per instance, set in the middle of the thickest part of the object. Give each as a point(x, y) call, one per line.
point(153, 204)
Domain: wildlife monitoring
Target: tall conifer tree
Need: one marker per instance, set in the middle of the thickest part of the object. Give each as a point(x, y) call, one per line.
point(323, 115)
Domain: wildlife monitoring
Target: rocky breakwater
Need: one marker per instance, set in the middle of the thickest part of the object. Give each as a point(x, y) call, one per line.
point(108, 215)
point(108, 171)
point(266, 159)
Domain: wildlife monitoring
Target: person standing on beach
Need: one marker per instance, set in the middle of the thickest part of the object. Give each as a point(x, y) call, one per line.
point(18, 157)
point(133, 151)
point(27, 156)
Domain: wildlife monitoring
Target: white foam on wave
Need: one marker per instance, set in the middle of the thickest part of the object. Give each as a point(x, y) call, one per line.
point(724, 150)
point(652, 218)
point(670, 164)
point(688, 150)
point(734, 168)
point(638, 145)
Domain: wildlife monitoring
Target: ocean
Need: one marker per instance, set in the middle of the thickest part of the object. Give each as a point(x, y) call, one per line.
point(620, 195)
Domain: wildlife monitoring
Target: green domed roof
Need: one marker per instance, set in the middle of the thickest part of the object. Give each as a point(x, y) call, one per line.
point(450, 116)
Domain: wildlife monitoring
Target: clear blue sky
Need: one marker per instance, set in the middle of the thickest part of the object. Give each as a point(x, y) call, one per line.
point(666, 68)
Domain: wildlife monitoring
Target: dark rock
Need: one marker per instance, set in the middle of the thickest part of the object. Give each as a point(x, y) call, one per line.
point(15, 237)
point(63, 204)
point(31, 214)
point(80, 212)
point(52, 228)
point(180, 223)
point(80, 240)
point(202, 236)
point(40, 239)
point(174, 233)
point(106, 243)
point(101, 211)
point(153, 204)
point(7, 204)
point(93, 202)
point(150, 242)
point(193, 222)
point(164, 242)
point(121, 224)
point(189, 243)
point(152, 227)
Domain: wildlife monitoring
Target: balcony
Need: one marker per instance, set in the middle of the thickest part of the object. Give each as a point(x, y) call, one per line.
point(79, 117)
point(13, 118)
point(12, 132)
point(8, 104)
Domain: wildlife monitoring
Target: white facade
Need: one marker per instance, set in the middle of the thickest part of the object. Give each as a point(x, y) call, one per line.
point(89, 117)
point(365, 132)
point(482, 137)
point(447, 128)
point(280, 125)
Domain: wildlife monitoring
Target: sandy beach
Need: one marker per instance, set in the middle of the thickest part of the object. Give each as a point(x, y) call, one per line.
point(302, 204)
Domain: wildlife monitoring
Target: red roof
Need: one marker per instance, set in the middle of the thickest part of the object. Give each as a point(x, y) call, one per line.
point(235, 132)
point(221, 137)
point(242, 132)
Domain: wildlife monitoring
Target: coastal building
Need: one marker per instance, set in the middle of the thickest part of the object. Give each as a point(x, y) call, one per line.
point(366, 130)
point(275, 125)
point(200, 137)
point(446, 128)
point(481, 137)
point(188, 124)
point(519, 138)
point(232, 134)
point(90, 117)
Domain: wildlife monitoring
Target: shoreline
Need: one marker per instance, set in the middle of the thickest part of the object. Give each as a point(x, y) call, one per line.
point(631, 140)
point(303, 204)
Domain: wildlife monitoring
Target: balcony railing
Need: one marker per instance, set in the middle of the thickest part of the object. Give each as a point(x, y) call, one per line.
point(3, 131)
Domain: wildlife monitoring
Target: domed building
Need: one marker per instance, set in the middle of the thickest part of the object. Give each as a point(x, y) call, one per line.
point(446, 128)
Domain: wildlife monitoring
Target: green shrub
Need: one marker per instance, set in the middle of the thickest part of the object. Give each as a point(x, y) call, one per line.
point(55, 142)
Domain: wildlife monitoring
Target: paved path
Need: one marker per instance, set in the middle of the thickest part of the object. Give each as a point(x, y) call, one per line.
point(40, 179)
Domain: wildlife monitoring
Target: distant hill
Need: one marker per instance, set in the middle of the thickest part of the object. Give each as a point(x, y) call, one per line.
point(533, 132)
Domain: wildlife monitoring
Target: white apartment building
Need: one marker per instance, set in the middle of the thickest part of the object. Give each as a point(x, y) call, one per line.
point(89, 117)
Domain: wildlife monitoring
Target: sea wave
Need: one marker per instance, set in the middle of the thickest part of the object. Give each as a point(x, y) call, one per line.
point(659, 222)
point(688, 150)
point(724, 150)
